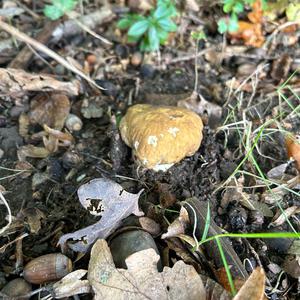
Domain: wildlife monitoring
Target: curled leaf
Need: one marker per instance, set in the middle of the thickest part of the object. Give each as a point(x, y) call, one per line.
point(106, 198)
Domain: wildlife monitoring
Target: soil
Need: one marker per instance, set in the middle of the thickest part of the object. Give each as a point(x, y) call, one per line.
point(51, 188)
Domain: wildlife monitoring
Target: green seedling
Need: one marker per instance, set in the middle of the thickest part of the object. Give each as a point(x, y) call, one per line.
point(233, 8)
point(151, 30)
point(59, 8)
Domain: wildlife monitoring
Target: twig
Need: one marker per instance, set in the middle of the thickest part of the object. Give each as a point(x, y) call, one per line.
point(37, 45)
point(2, 230)
point(24, 56)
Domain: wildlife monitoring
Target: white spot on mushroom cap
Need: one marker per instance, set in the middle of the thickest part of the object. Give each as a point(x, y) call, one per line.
point(173, 130)
point(136, 145)
point(162, 167)
point(152, 140)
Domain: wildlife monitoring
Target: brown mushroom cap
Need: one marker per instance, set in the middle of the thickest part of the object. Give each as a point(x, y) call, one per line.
point(161, 135)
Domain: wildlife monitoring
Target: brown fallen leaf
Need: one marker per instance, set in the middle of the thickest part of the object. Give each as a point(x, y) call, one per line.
point(254, 287)
point(141, 280)
point(50, 109)
point(284, 216)
point(293, 148)
point(16, 83)
point(71, 285)
point(32, 151)
point(251, 32)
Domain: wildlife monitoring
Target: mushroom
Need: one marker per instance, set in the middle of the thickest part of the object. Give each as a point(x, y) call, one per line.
point(161, 136)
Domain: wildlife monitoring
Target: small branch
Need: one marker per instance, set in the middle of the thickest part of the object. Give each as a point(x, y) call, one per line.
point(40, 47)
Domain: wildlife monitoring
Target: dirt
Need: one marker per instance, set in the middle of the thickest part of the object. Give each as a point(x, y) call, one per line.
point(49, 191)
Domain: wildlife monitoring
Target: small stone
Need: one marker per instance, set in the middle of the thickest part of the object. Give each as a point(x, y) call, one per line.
point(147, 71)
point(136, 59)
point(122, 51)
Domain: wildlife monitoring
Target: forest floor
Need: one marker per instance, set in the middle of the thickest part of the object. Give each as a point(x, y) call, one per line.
point(247, 167)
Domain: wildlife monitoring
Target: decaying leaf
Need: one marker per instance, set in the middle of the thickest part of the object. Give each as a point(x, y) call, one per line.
point(290, 211)
point(278, 171)
point(33, 217)
point(276, 194)
point(71, 285)
point(237, 194)
point(32, 151)
point(106, 198)
point(178, 226)
point(214, 291)
point(281, 67)
point(150, 225)
point(15, 82)
point(199, 105)
point(291, 265)
point(141, 280)
point(49, 109)
point(254, 287)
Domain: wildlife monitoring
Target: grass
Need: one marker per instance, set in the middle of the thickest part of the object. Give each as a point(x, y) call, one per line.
point(249, 140)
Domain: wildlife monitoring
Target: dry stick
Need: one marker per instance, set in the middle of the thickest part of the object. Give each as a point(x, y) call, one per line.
point(40, 47)
point(24, 56)
point(88, 30)
point(9, 214)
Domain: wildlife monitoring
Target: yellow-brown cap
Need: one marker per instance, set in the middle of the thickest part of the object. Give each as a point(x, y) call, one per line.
point(161, 135)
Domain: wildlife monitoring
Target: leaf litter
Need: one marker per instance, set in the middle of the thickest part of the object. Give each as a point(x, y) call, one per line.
point(106, 198)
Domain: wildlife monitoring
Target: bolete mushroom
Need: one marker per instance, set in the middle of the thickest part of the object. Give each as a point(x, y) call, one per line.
point(161, 136)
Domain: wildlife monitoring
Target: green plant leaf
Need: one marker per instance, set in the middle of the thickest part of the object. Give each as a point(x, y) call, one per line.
point(238, 8)
point(52, 12)
point(153, 38)
point(133, 39)
point(162, 35)
point(233, 24)
point(222, 26)
point(125, 23)
point(144, 46)
point(228, 5)
point(167, 24)
point(138, 28)
point(64, 5)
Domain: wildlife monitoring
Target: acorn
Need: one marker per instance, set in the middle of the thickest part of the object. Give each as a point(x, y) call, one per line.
point(73, 123)
point(47, 268)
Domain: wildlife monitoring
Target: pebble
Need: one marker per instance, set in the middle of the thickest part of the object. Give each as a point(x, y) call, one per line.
point(147, 71)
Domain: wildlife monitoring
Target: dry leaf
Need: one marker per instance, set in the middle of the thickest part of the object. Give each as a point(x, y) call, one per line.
point(15, 82)
point(293, 148)
point(71, 285)
point(150, 226)
point(254, 287)
point(291, 265)
point(106, 198)
point(290, 211)
point(32, 217)
point(214, 291)
point(51, 110)
point(32, 151)
point(251, 33)
point(141, 280)
point(199, 105)
point(256, 15)
point(178, 226)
